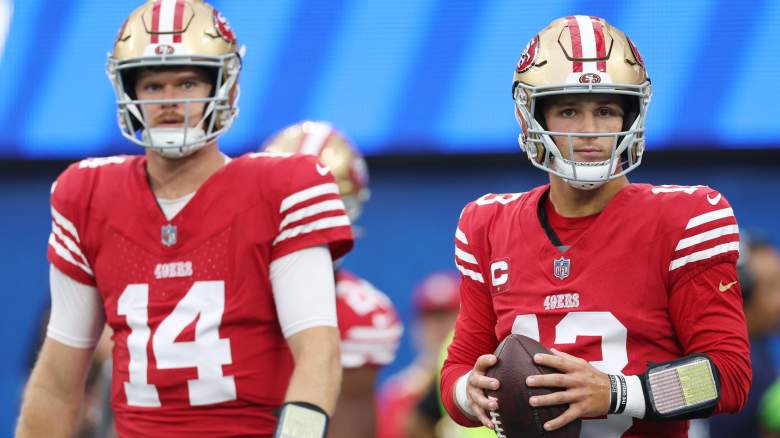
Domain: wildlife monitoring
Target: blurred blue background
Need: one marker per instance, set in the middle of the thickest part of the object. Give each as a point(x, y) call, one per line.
point(400, 76)
point(409, 81)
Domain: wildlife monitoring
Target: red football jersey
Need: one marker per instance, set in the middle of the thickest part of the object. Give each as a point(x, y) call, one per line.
point(626, 293)
point(369, 325)
point(198, 348)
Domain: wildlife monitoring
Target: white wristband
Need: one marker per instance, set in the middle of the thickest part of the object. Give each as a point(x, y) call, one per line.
point(635, 400)
point(462, 398)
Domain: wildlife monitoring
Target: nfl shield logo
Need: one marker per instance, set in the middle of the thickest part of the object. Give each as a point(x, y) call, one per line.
point(561, 268)
point(168, 235)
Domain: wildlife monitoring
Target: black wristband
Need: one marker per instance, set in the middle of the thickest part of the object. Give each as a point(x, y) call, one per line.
point(305, 418)
point(623, 395)
point(613, 397)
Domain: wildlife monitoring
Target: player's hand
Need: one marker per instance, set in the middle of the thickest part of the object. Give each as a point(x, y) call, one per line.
point(587, 389)
point(477, 383)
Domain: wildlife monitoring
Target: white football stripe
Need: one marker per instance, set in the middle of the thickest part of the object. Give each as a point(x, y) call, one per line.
point(588, 40)
point(703, 255)
point(65, 254)
point(466, 257)
point(72, 246)
point(707, 235)
point(476, 276)
point(306, 194)
point(314, 209)
point(320, 224)
point(709, 217)
point(461, 236)
point(64, 223)
point(315, 138)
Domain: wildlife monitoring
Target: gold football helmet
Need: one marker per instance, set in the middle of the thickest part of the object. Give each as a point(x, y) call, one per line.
point(333, 150)
point(176, 33)
point(581, 54)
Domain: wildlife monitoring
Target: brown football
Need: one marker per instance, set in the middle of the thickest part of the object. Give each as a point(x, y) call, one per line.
point(515, 417)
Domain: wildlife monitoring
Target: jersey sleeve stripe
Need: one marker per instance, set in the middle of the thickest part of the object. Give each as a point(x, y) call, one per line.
point(703, 254)
point(328, 222)
point(709, 217)
point(66, 255)
point(707, 235)
point(461, 236)
point(476, 276)
point(314, 209)
point(392, 333)
point(71, 246)
point(65, 223)
point(466, 257)
point(306, 194)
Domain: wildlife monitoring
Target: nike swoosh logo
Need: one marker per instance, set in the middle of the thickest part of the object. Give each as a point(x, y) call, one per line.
point(724, 287)
point(322, 170)
point(715, 200)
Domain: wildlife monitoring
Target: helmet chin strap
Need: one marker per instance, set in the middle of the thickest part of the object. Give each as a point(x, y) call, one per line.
point(595, 174)
point(174, 142)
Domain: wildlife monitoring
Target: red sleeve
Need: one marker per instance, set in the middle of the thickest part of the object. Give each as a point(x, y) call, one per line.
point(708, 318)
point(368, 323)
point(310, 212)
point(69, 203)
point(475, 326)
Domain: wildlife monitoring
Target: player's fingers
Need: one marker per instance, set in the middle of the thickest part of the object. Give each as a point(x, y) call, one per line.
point(560, 363)
point(482, 416)
point(484, 402)
point(483, 382)
point(553, 399)
point(565, 418)
point(484, 362)
point(556, 380)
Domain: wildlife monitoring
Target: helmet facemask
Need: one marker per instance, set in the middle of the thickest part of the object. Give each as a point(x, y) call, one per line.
point(538, 143)
point(218, 114)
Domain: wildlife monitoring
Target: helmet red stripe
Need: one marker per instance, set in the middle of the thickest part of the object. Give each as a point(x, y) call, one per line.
point(156, 21)
point(178, 21)
point(576, 43)
point(601, 49)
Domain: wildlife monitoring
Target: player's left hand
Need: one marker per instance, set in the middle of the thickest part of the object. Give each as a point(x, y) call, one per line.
point(587, 389)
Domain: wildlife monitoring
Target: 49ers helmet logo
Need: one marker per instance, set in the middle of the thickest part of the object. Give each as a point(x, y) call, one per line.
point(590, 78)
point(223, 27)
point(529, 55)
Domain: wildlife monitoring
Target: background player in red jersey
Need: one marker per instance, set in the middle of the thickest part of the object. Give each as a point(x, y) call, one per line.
point(368, 324)
point(435, 300)
point(634, 286)
point(199, 263)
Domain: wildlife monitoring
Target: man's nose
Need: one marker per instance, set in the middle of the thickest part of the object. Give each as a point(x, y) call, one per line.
point(169, 94)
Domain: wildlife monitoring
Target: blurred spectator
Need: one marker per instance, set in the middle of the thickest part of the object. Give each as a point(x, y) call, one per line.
point(436, 304)
point(759, 278)
point(769, 412)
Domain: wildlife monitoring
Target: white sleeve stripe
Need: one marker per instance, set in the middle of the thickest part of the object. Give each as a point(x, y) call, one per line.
point(707, 235)
point(64, 223)
point(476, 276)
point(348, 346)
point(306, 194)
point(709, 217)
point(320, 224)
point(65, 254)
point(466, 257)
point(392, 333)
point(72, 246)
point(703, 255)
point(320, 207)
point(461, 236)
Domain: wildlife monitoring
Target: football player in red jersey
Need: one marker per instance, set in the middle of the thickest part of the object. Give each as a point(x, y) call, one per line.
point(634, 286)
point(215, 274)
point(369, 326)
